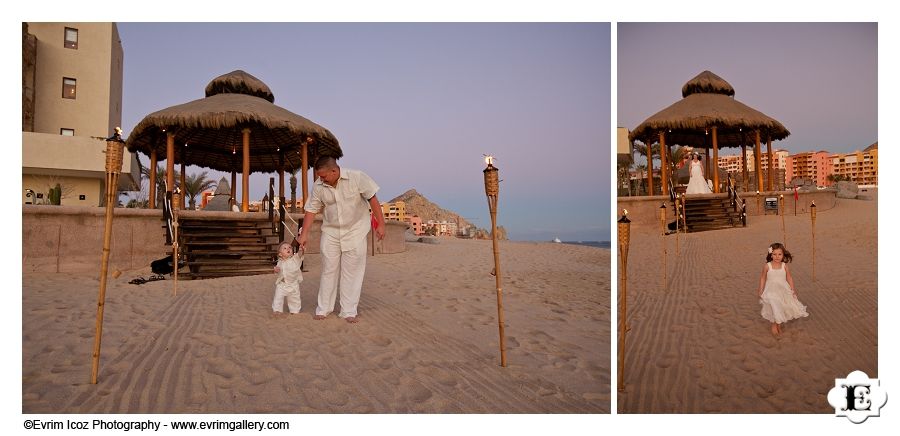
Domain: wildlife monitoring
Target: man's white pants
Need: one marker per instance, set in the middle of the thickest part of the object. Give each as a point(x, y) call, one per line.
point(349, 266)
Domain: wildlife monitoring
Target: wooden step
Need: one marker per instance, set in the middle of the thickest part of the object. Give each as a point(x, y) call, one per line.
point(231, 244)
point(232, 262)
point(195, 237)
point(216, 274)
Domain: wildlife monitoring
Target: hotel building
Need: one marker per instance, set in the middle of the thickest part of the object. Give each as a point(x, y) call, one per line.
point(71, 96)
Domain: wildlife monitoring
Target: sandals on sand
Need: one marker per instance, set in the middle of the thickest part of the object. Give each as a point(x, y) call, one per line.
point(141, 280)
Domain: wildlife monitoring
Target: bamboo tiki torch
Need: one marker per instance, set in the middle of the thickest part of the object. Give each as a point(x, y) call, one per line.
point(176, 204)
point(812, 215)
point(492, 190)
point(114, 151)
point(662, 234)
point(678, 212)
point(624, 240)
point(783, 232)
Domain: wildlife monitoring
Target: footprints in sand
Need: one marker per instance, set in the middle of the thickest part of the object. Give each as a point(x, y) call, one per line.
point(381, 341)
point(667, 359)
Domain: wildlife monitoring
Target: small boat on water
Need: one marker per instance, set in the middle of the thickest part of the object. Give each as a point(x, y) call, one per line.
point(557, 240)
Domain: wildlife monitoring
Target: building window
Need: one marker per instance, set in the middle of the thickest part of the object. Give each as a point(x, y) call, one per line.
point(67, 132)
point(68, 88)
point(71, 40)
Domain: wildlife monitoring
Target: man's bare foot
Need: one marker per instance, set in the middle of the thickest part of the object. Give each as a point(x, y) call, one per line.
point(775, 331)
point(780, 331)
point(319, 317)
point(352, 319)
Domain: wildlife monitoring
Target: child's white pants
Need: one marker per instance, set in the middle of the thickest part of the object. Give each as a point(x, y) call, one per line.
point(292, 292)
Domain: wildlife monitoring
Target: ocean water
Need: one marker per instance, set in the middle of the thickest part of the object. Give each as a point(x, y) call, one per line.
point(598, 244)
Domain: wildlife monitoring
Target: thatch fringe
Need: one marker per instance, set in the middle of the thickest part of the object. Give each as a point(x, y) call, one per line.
point(212, 127)
point(707, 103)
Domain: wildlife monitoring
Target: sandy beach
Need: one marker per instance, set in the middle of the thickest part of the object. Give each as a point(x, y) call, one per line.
point(702, 347)
point(427, 341)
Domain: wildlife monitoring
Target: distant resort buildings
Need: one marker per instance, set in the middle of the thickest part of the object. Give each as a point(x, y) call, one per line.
point(819, 168)
point(396, 211)
point(71, 96)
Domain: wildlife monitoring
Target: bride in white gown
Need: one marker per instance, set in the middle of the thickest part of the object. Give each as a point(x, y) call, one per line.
point(697, 183)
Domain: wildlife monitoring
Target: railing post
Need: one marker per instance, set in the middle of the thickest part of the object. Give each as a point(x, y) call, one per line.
point(744, 212)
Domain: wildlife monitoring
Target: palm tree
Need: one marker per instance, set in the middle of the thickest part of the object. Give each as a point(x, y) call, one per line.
point(640, 181)
point(160, 182)
point(195, 184)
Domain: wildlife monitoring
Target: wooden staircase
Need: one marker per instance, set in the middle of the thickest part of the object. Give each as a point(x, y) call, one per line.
point(710, 212)
point(225, 247)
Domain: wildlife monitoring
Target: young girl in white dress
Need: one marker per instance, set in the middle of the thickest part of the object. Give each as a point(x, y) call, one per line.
point(697, 183)
point(776, 290)
point(289, 278)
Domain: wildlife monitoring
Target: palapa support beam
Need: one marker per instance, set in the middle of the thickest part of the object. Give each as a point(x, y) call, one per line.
point(281, 176)
point(304, 167)
point(170, 160)
point(744, 173)
point(649, 167)
point(663, 167)
point(771, 171)
point(233, 188)
point(245, 175)
point(152, 188)
point(715, 159)
point(114, 152)
point(182, 181)
point(756, 160)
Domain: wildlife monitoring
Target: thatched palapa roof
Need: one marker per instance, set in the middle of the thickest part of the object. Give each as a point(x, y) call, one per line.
point(208, 131)
point(708, 102)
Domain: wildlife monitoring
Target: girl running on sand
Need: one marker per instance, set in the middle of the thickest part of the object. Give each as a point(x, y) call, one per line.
point(776, 290)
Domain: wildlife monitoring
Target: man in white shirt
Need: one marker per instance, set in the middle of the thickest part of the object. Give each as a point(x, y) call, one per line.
point(344, 196)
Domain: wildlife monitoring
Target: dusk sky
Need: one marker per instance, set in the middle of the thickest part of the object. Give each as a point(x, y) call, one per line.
point(820, 80)
point(417, 105)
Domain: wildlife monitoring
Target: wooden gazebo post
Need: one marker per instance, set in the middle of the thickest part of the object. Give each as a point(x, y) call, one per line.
point(293, 192)
point(649, 167)
point(245, 175)
point(706, 148)
point(771, 176)
point(181, 197)
point(233, 188)
point(663, 167)
point(304, 168)
point(759, 180)
point(744, 162)
point(715, 160)
point(152, 187)
point(170, 161)
point(281, 176)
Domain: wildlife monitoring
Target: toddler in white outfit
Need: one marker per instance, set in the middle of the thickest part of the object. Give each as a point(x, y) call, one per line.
point(289, 278)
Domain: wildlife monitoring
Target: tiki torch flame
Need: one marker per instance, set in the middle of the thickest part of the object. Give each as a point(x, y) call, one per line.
point(489, 160)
